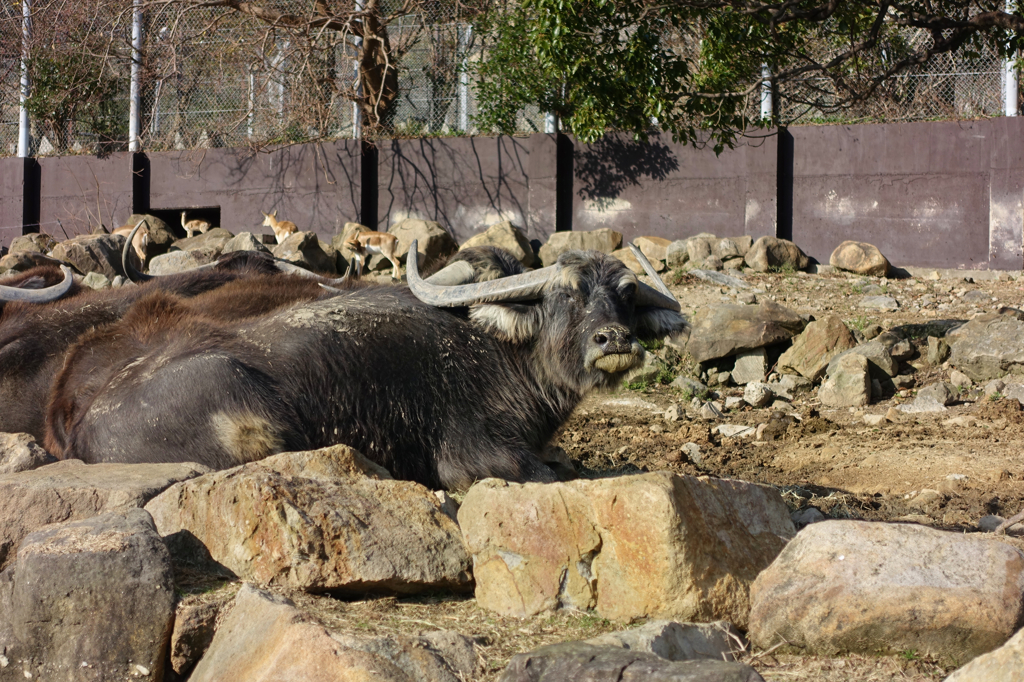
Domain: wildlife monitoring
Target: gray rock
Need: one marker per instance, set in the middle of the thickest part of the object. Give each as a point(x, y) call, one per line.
point(901, 350)
point(174, 262)
point(96, 280)
point(879, 587)
point(699, 249)
point(871, 331)
point(195, 623)
point(70, 490)
point(677, 254)
point(689, 385)
point(877, 353)
point(861, 258)
point(879, 303)
point(977, 296)
point(725, 330)
point(692, 453)
point(677, 641)
point(604, 240)
point(960, 380)
point(734, 402)
point(161, 236)
point(938, 351)
point(264, 636)
point(20, 452)
point(37, 242)
point(305, 250)
point(710, 410)
point(769, 252)
point(758, 394)
point(751, 365)
point(902, 381)
point(815, 347)
point(848, 382)
point(94, 595)
point(941, 392)
point(720, 279)
point(743, 243)
point(734, 430)
point(507, 236)
point(726, 249)
point(806, 517)
point(93, 253)
point(1014, 391)
point(244, 241)
point(993, 387)
point(712, 264)
point(582, 661)
point(922, 405)
point(212, 240)
point(793, 383)
point(327, 502)
point(1005, 663)
point(988, 347)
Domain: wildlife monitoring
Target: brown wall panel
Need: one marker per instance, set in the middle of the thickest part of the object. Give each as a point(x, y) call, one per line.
point(469, 184)
point(78, 193)
point(661, 188)
point(12, 175)
point(315, 186)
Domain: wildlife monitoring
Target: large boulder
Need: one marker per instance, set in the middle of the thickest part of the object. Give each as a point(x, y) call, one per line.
point(988, 347)
point(20, 452)
point(848, 382)
point(507, 236)
point(582, 661)
point(433, 241)
point(93, 253)
point(70, 490)
point(174, 262)
point(677, 254)
point(630, 261)
point(655, 248)
point(855, 586)
point(878, 352)
point(604, 240)
point(90, 600)
point(305, 250)
point(1005, 663)
point(861, 258)
point(161, 236)
point(815, 347)
point(211, 240)
point(244, 241)
point(677, 641)
point(38, 242)
point(265, 637)
point(305, 520)
point(651, 545)
point(725, 330)
point(771, 252)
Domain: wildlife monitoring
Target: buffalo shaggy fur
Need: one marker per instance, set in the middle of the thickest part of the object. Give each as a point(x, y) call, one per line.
point(435, 395)
point(35, 338)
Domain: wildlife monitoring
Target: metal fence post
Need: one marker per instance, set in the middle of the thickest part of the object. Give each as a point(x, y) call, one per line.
point(357, 114)
point(24, 139)
point(766, 93)
point(1010, 76)
point(467, 36)
point(135, 104)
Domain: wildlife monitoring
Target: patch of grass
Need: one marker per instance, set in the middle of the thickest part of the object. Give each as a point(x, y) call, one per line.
point(681, 276)
point(910, 655)
point(665, 376)
point(786, 269)
point(652, 345)
point(996, 396)
point(702, 394)
point(637, 385)
point(859, 323)
point(856, 289)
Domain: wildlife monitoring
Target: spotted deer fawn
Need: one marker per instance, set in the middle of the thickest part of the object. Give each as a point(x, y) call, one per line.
point(362, 241)
point(282, 228)
point(193, 226)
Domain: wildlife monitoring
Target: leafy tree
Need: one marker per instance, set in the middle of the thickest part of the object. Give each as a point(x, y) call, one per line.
point(695, 65)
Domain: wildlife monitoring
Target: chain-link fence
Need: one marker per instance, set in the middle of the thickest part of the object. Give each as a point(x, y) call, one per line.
point(213, 77)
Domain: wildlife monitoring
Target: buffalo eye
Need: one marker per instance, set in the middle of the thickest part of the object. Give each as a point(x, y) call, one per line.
point(628, 291)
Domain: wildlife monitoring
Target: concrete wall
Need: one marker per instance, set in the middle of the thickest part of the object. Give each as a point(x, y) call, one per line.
point(926, 194)
point(468, 184)
point(670, 190)
point(78, 193)
point(317, 187)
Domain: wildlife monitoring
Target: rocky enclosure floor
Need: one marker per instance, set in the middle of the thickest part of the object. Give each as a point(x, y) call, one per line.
point(943, 470)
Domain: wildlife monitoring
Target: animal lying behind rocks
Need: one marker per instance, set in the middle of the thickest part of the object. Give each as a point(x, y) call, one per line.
point(440, 396)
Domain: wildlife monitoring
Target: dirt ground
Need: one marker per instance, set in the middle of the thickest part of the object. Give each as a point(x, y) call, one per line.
point(945, 471)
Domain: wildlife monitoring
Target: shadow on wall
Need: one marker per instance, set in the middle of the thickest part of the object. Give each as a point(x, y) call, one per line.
point(607, 167)
point(464, 184)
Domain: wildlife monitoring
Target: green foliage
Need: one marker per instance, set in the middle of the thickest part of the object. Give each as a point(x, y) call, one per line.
point(859, 323)
point(695, 67)
point(996, 396)
point(652, 345)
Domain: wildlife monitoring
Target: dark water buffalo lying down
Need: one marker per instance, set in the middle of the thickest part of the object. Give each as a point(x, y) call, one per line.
point(440, 383)
point(39, 325)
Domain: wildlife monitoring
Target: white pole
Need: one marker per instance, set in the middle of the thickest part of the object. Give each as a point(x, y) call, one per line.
point(1010, 75)
point(135, 104)
point(24, 139)
point(550, 122)
point(357, 113)
point(766, 93)
point(467, 35)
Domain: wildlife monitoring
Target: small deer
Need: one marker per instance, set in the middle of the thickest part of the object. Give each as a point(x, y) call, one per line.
point(193, 226)
point(282, 228)
point(139, 242)
point(362, 241)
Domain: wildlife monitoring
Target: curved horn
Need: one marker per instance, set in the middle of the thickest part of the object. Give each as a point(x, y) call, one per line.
point(126, 262)
point(11, 294)
point(453, 274)
point(524, 287)
point(649, 296)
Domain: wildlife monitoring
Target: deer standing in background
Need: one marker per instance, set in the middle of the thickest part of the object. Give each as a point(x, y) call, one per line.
point(193, 226)
point(282, 228)
point(362, 241)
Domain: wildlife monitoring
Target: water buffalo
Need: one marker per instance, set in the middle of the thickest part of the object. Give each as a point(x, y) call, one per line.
point(39, 325)
point(443, 382)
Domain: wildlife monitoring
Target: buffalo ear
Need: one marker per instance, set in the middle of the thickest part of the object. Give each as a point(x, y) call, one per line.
point(654, 323)
point(512, 322)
